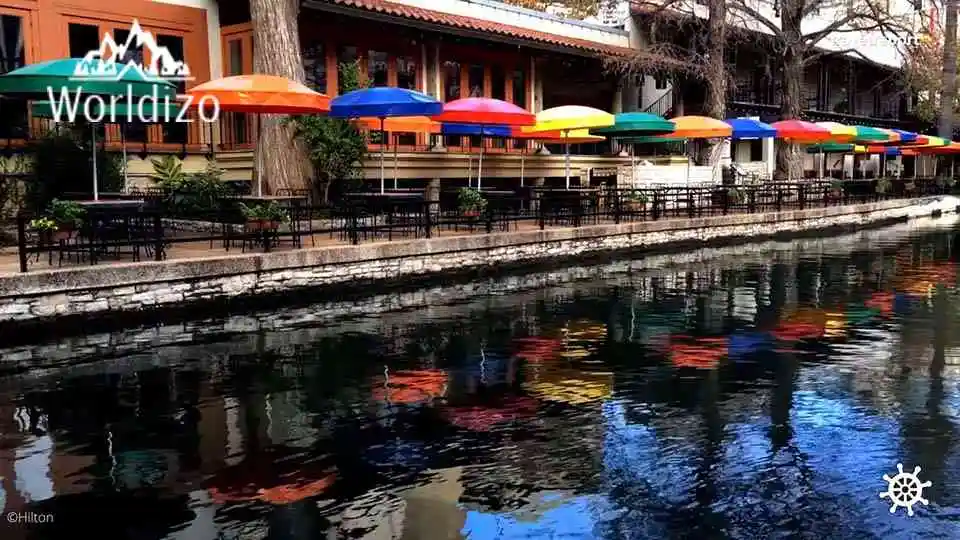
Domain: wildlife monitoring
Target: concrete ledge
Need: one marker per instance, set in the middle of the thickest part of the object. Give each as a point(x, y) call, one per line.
point(136, 286)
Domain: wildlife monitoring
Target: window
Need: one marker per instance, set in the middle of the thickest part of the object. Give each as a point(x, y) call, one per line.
point(173, 132)
point(451, 91)
point(83, 38)
point(315, 66)
point(451, 81)
point(345, 55)
point(235, 54)
point(756, 150)
point(498, 83)
point(519, 89)
point(660, 82)
point(377, 68)
point(13, 112)
point(133, 53)
point(475, 81)
point(406, 72)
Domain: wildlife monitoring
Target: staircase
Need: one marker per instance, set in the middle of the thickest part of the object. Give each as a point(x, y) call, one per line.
point(663, 106)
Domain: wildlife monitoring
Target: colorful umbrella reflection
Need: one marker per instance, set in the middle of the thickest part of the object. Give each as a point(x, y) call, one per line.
point(410, 387)
point(538, 349)
point(697, 353)
point(570, 386)
point(805, 323)
point(480, 418)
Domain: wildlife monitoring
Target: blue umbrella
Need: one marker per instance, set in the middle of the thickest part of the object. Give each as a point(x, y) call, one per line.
point(384, 102)
point(905, 136)
point(476, 130)
point(748, 128)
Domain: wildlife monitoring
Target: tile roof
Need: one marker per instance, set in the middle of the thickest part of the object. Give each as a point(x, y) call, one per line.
point(471, 23)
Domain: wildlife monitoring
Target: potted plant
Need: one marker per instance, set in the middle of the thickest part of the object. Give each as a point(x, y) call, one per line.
point(45, 229)
point(264, 216)
point(471, 202)
point(884, 186)
point(836, 189)
point(635, 200)
point(67, 215)
point(735, 196)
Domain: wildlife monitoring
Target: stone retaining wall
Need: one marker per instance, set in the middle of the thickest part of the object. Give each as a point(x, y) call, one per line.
point(102, 290)
point(283, 331)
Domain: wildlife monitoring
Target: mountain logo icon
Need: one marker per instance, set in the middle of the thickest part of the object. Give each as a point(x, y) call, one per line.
point(111, 61)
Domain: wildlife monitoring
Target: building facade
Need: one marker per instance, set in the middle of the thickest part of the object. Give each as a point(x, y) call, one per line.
point(449, 49)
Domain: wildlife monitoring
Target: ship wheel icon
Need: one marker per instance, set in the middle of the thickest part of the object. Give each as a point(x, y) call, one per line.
point(905, 489)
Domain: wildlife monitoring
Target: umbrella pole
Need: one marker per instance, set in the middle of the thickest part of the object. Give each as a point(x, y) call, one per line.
point(523, 154)
point(123, 145)
point(258, 170)
point(383, 135)
point(567, 162)
point(93, 138)
point(480, 161)
point(396, 143)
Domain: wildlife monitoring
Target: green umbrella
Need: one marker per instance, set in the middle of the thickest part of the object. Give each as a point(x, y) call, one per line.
point(79, 78)
point(73, 75)
point(867, 134)
point(634, 124)
point(831, 148)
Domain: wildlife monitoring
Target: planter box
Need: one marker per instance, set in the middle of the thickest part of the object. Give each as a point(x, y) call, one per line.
point(262, 225)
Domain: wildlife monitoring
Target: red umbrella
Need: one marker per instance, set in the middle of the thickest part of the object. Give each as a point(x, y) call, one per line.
point(801, 131)
point(484, 112)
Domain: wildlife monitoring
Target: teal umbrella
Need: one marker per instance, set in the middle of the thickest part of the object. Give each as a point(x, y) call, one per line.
point(80, 79)
point(74, 75)
point(636, 124)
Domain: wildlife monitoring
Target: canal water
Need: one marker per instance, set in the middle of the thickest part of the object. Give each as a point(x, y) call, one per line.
point(753, 392)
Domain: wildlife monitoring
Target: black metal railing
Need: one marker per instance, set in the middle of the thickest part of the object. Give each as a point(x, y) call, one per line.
point(147, 231)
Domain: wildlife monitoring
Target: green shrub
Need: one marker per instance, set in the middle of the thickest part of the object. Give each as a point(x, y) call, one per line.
point(190, 195)
point(336, 147)
point(61, 163)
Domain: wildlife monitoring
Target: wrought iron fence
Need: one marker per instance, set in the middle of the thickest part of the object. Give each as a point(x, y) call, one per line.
point(149, 232)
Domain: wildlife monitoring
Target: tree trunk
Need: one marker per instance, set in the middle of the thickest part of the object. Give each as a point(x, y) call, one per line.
point(948, 96)
point(789, 163)
point(280, 161)
point(716, 74)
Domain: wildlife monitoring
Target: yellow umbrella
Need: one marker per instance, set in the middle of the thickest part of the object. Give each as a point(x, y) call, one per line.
point(568, 118)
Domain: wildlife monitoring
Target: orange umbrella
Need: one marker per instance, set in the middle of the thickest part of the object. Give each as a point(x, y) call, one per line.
point(258, 94)
point(401, 124)
point(261, 94)
point(698, 127)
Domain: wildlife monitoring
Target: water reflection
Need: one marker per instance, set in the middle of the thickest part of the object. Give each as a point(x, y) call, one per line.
point(754, 397)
